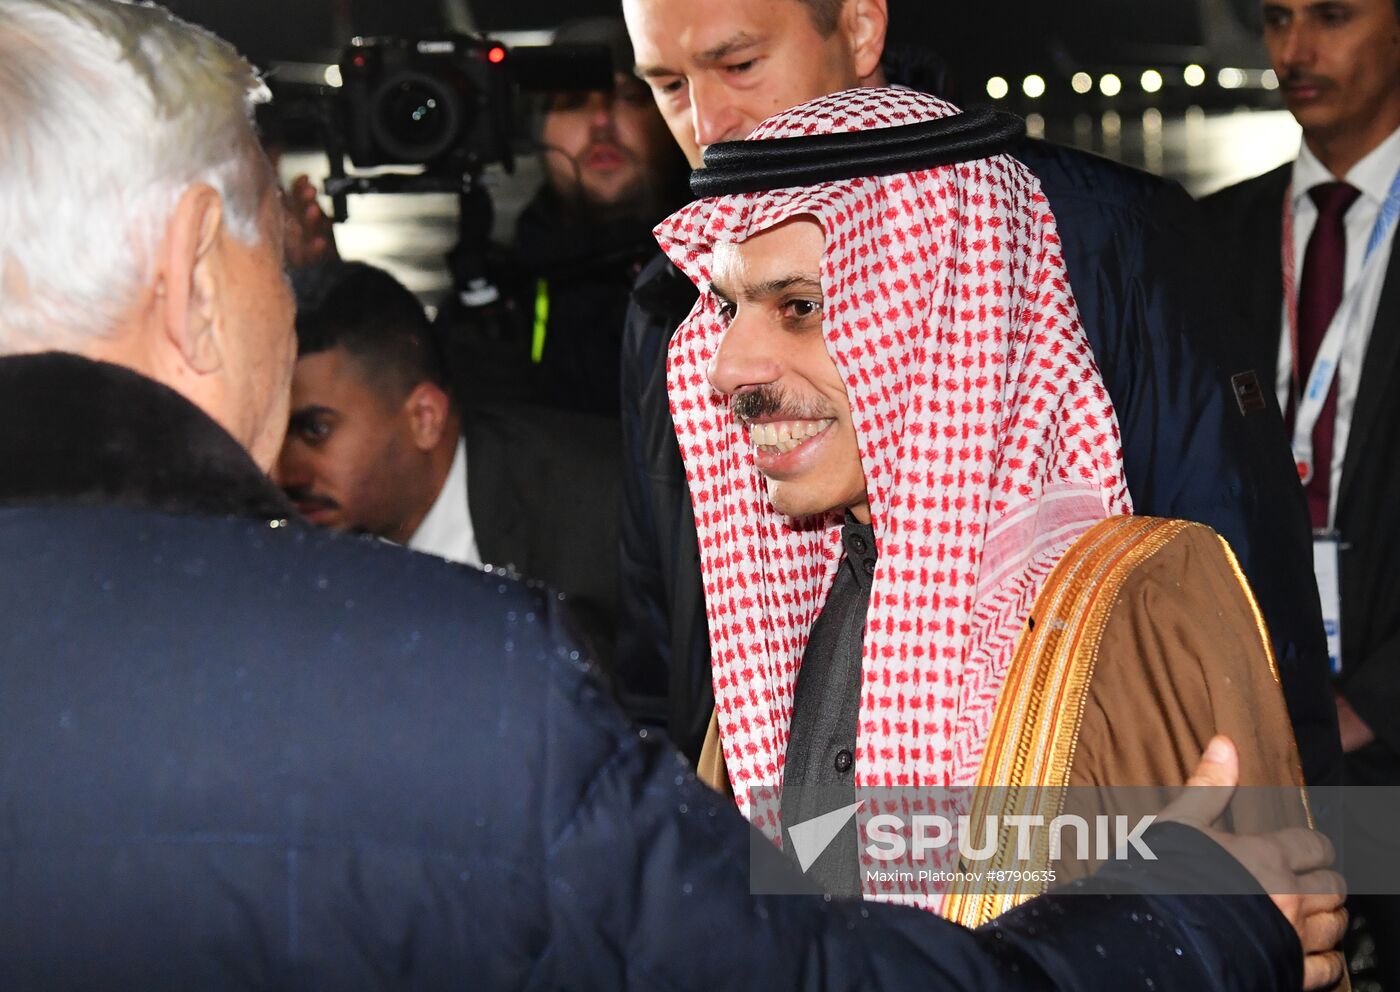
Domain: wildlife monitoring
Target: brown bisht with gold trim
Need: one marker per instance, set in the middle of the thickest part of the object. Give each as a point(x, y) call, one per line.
point(1144, 643)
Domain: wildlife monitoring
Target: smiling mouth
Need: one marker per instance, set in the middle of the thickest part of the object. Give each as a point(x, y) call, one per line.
point(781, 436)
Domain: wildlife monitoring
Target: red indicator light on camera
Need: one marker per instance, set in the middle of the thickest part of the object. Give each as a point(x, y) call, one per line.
point(359, 61)
point(496, 55)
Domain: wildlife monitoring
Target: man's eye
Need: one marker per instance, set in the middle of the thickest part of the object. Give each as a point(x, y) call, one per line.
point(314, 431)
point(802, 309)
point(670, 86)
point(738, 68)
point(567, 102)
point(727, 311)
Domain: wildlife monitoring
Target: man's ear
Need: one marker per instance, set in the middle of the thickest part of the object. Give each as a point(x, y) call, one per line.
point(428, 408)
point(188, 278)
point(865, 22)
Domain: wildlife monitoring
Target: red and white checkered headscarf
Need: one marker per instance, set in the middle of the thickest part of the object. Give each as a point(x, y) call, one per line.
point(986, 436)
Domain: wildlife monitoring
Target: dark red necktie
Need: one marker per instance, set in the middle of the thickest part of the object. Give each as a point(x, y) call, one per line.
point(1319, 295)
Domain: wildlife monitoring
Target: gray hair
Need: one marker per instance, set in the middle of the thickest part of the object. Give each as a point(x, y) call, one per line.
point(109, 111)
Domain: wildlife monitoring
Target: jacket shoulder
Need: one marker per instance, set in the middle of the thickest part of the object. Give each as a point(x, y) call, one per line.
point(1267, 188)
point(1072, 172)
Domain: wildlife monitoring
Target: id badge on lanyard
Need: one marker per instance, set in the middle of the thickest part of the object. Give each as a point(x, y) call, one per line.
point(1327, 566)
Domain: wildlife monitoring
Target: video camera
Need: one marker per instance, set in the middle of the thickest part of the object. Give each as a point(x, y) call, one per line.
point(449, 105)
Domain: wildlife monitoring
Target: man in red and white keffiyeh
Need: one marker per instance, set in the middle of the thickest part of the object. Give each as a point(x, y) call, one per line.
point(902, 352)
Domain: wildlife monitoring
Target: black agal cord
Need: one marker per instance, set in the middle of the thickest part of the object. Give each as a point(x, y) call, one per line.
point(811, 159)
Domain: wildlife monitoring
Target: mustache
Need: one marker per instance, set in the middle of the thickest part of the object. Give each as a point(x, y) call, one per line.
point(306, 498)
point(773, 402)
point(1297, 77)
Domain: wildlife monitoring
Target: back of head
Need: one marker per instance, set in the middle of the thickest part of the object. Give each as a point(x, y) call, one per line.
point(109, 111)
point(377, 321)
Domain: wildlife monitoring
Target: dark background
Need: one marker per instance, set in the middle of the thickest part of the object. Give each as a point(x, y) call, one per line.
point(1008, 37)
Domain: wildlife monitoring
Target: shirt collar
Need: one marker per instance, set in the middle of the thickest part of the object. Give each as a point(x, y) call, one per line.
point(861, 551)
point(447, 529)
point(1372, 175)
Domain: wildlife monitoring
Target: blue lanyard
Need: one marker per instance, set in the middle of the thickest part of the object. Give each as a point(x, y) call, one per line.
point(1385, 220)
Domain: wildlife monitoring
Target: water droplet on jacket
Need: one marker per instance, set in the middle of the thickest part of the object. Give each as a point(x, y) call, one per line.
point(1099, 950)
point(1179, 951)
point(323, 583)
point(684, 808)
point(687, 888)
point(642, 733)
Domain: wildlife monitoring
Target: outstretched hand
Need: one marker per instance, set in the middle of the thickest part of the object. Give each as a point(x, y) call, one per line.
point(1291, 865)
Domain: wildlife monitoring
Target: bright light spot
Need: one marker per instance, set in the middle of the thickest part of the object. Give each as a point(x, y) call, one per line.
point(497, 55)
point(1152, 119)
point(1082, 82)
point(997, 88)
point(1035, 125)
point(1269, 80)
point(1230, 79)
point(1111, 123)
point(1033, 87)
point(1194, 75)
point(1151, 81)
point(333, 76)
point(1110, 85)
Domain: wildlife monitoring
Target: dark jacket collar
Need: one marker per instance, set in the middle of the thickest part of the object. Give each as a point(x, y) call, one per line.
point(85, 433)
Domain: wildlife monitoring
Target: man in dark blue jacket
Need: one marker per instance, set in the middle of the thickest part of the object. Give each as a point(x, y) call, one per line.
point(1200, 442)
point(237, 753)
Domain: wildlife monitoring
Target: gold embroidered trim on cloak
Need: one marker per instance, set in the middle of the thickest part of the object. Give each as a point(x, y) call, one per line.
point(1035, 729)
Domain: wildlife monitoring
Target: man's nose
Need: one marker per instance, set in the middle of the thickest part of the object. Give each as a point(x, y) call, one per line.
point(743, 359)
point(290, 471)
point(1295, 48)
point(713, 115)
point(600, 112)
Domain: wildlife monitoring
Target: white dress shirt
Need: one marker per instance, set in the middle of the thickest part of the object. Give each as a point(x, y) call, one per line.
point(1373, 176)
point(447, 529)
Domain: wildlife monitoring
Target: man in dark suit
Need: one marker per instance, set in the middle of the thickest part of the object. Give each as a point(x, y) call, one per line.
point(378, 445)
point(1192, 449)
point(1311, 246)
